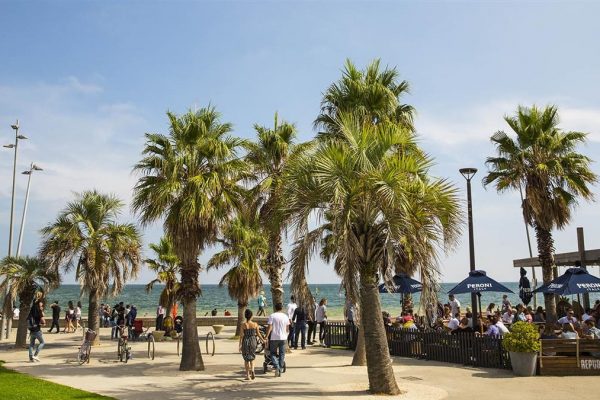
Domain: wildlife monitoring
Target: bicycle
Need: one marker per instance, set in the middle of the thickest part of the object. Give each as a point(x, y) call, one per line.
point(123, 348)
point(86, 347)
point(137, 333)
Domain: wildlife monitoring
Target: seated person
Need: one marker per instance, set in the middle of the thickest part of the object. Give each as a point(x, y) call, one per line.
point(501, 327)
point(587, 315)
point(463, 326)
point(227, 313)
point(438, 326)
point(386, 318)
point(539, 315)
point(589, 329)
point(520, 314)
point(454, 322)
point(507, 317)
point(568, 332)
point(492, 329)
point(213, 313)
point(179, 324)
point(569, 318)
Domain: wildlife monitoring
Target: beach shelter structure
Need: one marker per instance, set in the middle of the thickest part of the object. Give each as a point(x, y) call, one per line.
point(478, 282)
point(573, 281)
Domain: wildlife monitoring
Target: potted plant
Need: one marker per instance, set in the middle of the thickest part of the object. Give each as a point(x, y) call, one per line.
point(523, 344)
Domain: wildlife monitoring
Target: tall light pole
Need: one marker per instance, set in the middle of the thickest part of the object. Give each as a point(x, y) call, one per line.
point(29, 172)
point(468, 174)
point(8, 312)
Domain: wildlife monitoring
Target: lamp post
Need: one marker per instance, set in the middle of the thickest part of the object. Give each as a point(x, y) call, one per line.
point(29, 172)
point(468, 174)
point(8, 312)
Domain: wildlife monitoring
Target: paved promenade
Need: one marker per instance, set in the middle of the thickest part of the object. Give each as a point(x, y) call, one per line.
point(315, 372)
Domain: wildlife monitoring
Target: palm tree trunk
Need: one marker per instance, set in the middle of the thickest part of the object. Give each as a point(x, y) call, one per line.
point(545, 244)
point(360, 353)
point(379, 365)
point(242, 304)
point(275, 263)
point(25, 305)
point(191, 358)
point(93, 316)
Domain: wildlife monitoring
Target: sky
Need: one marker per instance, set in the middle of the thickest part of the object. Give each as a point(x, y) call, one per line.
point(86, 80)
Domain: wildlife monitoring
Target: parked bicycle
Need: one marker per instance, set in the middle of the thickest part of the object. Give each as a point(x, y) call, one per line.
point(86, 347)
point(123, 348)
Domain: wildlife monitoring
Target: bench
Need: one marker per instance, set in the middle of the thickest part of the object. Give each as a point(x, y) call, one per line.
point(562, 357)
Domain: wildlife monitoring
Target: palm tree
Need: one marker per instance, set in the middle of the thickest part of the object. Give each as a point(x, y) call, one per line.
point(376, 199)
point(245, 248)
point(268, 157)
point(372, 92)
point(543, 160)
point(189, 180)
point(105, 254)
point(26, 276)
point(165, 266)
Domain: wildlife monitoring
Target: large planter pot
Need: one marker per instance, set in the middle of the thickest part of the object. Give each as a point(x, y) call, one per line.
point(523, 364)
point(218, 328)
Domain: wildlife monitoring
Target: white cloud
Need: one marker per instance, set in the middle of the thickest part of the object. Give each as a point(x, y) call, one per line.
point(478, 123)
point(86, 88)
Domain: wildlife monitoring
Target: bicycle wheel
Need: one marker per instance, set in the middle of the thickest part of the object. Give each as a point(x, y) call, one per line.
point(84, 352)
point(151, 347)
point(210, 336)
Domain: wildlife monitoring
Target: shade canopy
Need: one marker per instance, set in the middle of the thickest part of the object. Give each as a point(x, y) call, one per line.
point(478, 282)
point(401, 283)
point(573, 281)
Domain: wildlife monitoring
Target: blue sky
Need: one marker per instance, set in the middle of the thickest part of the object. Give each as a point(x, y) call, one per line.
point(88, 79)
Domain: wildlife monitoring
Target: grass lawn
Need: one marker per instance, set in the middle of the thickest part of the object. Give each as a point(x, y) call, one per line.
point(17, 386)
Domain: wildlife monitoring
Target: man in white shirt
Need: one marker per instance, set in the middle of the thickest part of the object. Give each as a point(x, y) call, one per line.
point(569, 318)
point(277, 334)
point(454, 322)
point(454, 305)
point(291, 307)
point(507, 317)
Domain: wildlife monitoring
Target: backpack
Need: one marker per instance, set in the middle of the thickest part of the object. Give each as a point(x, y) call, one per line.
point(32, 325)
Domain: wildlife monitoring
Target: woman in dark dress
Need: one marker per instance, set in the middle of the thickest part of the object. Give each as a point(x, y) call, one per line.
point(248, 342)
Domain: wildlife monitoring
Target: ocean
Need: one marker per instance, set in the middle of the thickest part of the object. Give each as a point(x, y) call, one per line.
point(217, 297)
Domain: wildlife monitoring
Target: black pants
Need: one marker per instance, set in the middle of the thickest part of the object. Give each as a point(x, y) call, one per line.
point(55, 323)
point(312, 330)
point(159, 322)
point(322, 326)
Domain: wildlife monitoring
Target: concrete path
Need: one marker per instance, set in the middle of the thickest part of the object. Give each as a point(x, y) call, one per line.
point(315, 372)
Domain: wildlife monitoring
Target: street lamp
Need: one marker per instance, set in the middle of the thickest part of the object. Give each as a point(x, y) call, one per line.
point(8, 312)
point(468, 174)
point(29, 172)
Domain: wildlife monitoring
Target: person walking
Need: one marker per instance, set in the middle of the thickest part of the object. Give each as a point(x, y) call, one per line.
point(321, 318)
point(262, 303)
point(248, 343)
point(55, 317)
point(78, 315)
point(277, 334)
point(69, 316)
point(291, 307)
point(35, 321)
point(312, 323)
point(299, 319)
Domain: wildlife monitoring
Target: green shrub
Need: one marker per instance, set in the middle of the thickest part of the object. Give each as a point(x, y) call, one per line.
point(522, 338)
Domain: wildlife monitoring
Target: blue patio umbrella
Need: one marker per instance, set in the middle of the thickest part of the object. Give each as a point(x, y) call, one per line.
point(573, 281)
point(402, 283)
point(478, 282)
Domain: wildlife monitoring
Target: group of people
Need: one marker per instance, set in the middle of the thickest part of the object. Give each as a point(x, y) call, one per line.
point(496, 321)
point(284, 328)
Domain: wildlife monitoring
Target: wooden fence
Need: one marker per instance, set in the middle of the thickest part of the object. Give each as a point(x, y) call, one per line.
point(459, 348)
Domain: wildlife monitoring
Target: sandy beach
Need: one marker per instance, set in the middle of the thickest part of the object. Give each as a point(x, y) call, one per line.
point(315, 372)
